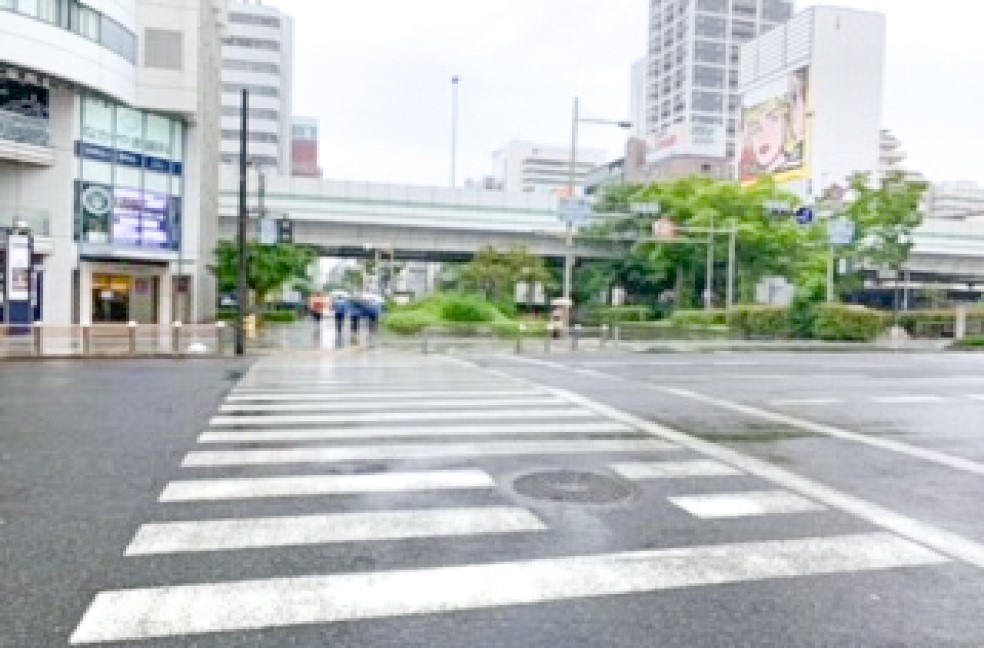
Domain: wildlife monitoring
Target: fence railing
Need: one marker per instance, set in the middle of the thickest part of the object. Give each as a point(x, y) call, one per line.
point(114, 340)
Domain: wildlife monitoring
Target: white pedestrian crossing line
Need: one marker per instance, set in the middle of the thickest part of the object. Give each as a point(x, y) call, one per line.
point(204, 490)
point(807, 401)
point(362, 432)
point(750, 504)
point(288, 397)
point(907, 400)
point(159, 612)
point(419, 404)
point(217, 458)
point(642, 470)
point(239, 534)
point(397, 417)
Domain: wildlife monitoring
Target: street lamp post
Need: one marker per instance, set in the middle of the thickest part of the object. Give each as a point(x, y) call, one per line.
point(241, 293)
point(571, 189)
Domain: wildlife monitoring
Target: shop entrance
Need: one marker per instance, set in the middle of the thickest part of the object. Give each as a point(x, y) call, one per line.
point(123, 298)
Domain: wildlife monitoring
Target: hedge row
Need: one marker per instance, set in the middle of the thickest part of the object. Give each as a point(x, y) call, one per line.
point(928, 322)
point(699, 318)
point(831, 322)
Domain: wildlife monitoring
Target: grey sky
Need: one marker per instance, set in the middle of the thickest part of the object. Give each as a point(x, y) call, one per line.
point(377, 73)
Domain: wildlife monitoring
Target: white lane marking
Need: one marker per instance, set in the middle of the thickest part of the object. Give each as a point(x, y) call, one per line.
point(806, 401)
point(946, 542)
point(976, 397)
point(354, 433)
point(237, 534)
point(933, 456)
point(203, 490)
point(212, 458)
point(183, 610)
point(750, 504)
point(640, 470)
point(396, 417)
point(907, 400)
point(373, 406)
point(369, 395)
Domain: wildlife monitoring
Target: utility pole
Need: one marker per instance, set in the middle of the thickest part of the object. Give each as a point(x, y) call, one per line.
point(709, 289)
point(569, 241)
point(732, 259)
point(241, 292)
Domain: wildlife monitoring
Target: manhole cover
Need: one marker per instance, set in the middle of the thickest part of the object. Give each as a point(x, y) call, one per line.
point(572, 487)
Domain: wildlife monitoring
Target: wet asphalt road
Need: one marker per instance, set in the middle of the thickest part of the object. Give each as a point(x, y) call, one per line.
point(880, 442)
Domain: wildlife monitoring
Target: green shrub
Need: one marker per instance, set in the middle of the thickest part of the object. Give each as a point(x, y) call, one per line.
point(803, 314)
point(848, 323)
point(936, 323)
point(762, 321)
point(469, 309)
point(408, 322)
point(279, 317)
point(618, 314)
point(699, 318)
point(970, 342)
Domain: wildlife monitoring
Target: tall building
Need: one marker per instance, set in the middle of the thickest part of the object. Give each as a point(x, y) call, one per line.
point(305, 136)
point(108, 154)
point(638, 84)
point(693, 71)
point(956, 201)
point(812, 100)
point(528, 167)
point(258, 55)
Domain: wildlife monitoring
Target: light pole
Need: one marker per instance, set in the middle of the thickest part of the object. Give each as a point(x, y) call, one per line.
point(571, 190)
point(454, 130)
point(241, 294)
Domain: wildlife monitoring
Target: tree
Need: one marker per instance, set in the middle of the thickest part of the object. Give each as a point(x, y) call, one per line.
point(268, 267)
point(885, 215)
point(496, 273)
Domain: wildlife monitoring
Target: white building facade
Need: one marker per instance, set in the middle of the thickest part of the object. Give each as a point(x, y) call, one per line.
point(528, 167)
point(109, 154)
point(812, 100)
point(258, 55)
point(956, 201)
point(693, 71)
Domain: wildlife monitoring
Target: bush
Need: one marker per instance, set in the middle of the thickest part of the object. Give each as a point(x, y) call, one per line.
point(466, 308)
point(970, 342)
point(619, 314)
point(848, 323)
point(938, 323)
point(408, 322)
point(762, 321)
point(279, 317)
point(699, 318)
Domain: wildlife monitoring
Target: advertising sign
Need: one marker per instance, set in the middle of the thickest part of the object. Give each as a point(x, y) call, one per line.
point(775, 139)
point(687, 139)
point(19, 268)
point(574, 211)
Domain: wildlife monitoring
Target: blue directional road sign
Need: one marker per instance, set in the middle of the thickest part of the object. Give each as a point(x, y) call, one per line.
point(804, 215)
point(575, 211)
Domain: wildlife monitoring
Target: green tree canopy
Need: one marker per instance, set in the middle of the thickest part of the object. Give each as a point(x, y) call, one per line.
point(267, 267)
point(496, 273)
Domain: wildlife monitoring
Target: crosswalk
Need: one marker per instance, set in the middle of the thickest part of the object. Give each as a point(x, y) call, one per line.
point(386, 452)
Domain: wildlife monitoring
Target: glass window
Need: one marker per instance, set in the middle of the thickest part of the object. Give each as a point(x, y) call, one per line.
point(100, 172)
point(129, 129)
point(97, 121)
point(127, 177)
point(158, 141)
point(7, 4)
point(177, 148)
point(156, 182)
point(28, 7)
point(114, 37)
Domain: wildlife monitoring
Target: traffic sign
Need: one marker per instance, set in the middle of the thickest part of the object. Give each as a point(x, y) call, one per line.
point(841, 231)
point(804, 215)
point(575, 211)
point(268, 231)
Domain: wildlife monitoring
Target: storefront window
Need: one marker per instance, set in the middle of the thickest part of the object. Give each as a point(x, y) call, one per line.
point(134, 158)
point(24, 113)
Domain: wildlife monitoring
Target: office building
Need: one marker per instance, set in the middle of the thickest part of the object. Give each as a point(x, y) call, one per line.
point(955, 201)
point(527, 167)
point(692, 101)
point(109, 154)
point(258, 55)
point(812, 101)
point(304, 148)
point(638, 84)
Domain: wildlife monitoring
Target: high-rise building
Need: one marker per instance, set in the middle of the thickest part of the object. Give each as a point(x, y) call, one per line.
point(109, 158)
point(528, 167)
point(693, 70)
point(304, 148)
point(258, 55)
point(638, 84)
point(960, 201)
point(811, 101)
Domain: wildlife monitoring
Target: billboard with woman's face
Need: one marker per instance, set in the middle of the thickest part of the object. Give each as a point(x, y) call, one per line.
point(775, 137)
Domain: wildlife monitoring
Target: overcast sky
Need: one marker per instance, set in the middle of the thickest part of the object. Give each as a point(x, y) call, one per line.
point(378, 75)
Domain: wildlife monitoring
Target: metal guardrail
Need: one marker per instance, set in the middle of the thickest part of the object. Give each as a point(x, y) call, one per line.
point(114, 340)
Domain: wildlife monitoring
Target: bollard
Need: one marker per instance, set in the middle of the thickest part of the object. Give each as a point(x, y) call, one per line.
point(604, 335)
point(575, 333)
point(86, 339)
point(546, 340)
point(132, 332)
point(423, 343)
point(519, 339)
point(176, 338)
point(220, 328)
point(38, 340)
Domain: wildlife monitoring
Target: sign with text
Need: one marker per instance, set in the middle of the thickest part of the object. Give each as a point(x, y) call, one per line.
point(575, 211)
point(18, 268)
